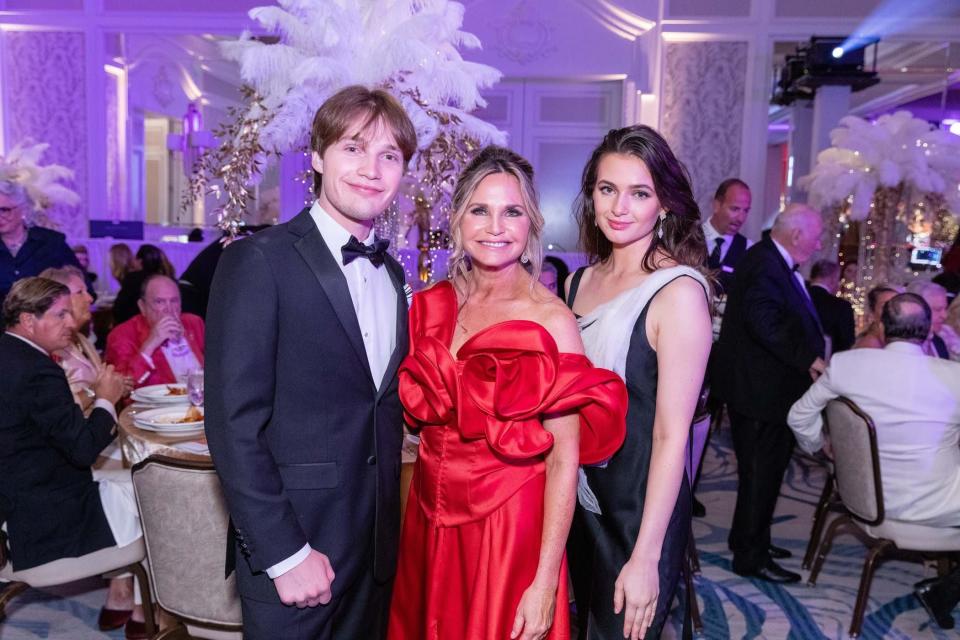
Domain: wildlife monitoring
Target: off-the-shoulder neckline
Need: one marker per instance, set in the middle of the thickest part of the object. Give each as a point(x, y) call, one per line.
point(448, 289)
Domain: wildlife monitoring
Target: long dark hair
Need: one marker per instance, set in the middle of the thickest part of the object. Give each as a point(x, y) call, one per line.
point(682, 237)
point(154, 260)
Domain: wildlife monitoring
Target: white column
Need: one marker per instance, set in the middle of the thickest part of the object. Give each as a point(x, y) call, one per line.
point(831, 103)
point(801, 133)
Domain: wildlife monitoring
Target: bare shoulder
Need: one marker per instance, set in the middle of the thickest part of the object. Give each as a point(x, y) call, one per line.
point(561, 324)
point(680, 298)
point(587, 271)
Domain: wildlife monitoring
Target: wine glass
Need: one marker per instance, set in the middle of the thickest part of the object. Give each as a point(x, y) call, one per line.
point(195, 387)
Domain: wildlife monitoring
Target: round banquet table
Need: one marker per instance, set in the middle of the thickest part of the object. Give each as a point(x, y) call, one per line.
point(139, 444)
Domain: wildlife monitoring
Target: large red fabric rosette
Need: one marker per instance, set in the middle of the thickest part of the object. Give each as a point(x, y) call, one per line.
point(488, 404)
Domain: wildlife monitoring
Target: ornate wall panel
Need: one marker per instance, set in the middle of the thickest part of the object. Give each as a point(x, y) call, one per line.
point(45, 92)
point(702, 110)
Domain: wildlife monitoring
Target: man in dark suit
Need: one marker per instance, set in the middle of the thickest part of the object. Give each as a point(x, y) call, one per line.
point(54, 502)
point(307, 326)
point(836, 314)
point(771, 348)
point(725, 244)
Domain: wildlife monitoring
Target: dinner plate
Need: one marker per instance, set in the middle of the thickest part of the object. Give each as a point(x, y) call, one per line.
point(160, 394)
point(163, 419)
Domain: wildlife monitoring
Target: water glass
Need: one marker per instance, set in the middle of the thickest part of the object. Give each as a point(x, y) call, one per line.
point(195, 387)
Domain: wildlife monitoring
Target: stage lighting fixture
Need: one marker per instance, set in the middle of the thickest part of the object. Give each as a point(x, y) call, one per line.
point(825, 60)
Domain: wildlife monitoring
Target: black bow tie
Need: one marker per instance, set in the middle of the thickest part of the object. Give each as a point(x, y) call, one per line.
point(795, 268)
point(375, 253)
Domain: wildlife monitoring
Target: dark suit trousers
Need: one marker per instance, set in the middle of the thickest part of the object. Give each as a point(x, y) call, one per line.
point(763, 452)
point(360, 613)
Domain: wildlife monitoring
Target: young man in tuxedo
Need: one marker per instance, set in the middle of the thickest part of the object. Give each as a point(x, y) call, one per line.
point(307, 326)
point(771, 348)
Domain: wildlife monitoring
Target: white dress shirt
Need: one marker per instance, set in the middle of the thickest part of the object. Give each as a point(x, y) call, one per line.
point(711, 234)
point(914, 401)
point(375, 303)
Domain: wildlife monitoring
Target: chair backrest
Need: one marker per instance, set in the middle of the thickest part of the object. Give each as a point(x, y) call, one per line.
point(853, 438)
point(185, 520)
point(699, 430)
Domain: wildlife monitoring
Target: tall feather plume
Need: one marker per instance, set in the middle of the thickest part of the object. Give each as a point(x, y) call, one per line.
point(409, 47)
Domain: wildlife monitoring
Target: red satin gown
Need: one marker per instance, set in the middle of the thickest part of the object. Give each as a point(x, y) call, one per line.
point(471, 539)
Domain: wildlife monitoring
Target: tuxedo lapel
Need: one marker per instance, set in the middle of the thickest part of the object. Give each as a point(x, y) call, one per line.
point(400, 351)
point(800, 297)
point(314, 251)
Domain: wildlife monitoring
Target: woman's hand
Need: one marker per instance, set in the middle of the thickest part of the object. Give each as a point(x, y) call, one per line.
point(637, 588)
point(535, 613)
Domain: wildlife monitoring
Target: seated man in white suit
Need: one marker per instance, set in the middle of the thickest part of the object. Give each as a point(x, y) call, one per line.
point(914, 401)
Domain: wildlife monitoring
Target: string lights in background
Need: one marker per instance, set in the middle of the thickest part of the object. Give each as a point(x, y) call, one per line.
point(872, 177)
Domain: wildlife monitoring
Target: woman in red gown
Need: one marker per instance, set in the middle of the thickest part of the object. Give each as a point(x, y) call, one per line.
point(506, 406)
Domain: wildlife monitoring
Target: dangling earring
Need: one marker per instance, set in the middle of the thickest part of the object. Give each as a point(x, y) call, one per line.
point(663, 218)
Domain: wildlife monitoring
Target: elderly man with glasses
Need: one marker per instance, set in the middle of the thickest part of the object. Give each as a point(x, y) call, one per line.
point(161, 344)
point(26, 251)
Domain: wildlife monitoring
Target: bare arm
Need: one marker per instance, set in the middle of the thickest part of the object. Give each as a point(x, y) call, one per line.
point(536, 610)
point(681, 335)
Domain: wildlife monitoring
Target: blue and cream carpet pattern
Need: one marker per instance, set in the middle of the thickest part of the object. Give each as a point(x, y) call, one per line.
point(732, 607)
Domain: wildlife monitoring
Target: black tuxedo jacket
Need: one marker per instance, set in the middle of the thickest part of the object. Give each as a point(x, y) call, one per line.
point(307, 448)
point(47, 447)
point(836, 316)
point(768, 338)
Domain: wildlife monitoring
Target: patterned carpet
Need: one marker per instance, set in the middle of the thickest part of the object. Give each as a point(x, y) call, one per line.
point(732, 607)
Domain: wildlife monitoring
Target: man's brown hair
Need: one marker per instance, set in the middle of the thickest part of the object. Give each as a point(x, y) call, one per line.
point(31, 295)
point(335, 117)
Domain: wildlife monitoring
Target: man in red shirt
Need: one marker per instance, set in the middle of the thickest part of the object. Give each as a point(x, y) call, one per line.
point(160, 345)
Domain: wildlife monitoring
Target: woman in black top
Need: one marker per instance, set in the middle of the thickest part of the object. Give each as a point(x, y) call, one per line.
point(644, 311)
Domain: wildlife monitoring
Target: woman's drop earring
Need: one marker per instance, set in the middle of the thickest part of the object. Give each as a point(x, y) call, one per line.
point(663, 218)
point(525, 259)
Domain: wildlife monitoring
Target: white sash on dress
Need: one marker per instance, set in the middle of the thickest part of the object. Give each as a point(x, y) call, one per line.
point(606, 335)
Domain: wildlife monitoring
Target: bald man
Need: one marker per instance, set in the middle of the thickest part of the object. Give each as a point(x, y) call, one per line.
point(771, 349)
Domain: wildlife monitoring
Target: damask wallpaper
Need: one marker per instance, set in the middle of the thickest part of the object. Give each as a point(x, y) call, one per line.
point(703, 105)
point(45, 91)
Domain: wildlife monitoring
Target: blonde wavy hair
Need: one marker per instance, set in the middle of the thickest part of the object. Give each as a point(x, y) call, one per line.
point(493, 160)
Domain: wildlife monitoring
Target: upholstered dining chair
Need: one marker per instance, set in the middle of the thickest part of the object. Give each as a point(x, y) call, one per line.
point(829, 503)
point(107, 562)
point(185, 520)
point(853, 437)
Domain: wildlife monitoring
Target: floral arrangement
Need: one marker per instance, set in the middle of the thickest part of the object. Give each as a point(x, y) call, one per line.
point(896, 149)
point(317, 47)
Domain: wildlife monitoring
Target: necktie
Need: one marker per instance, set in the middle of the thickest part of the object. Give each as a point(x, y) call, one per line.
point(713, 261)
point(802, 290)
point(374, 253)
